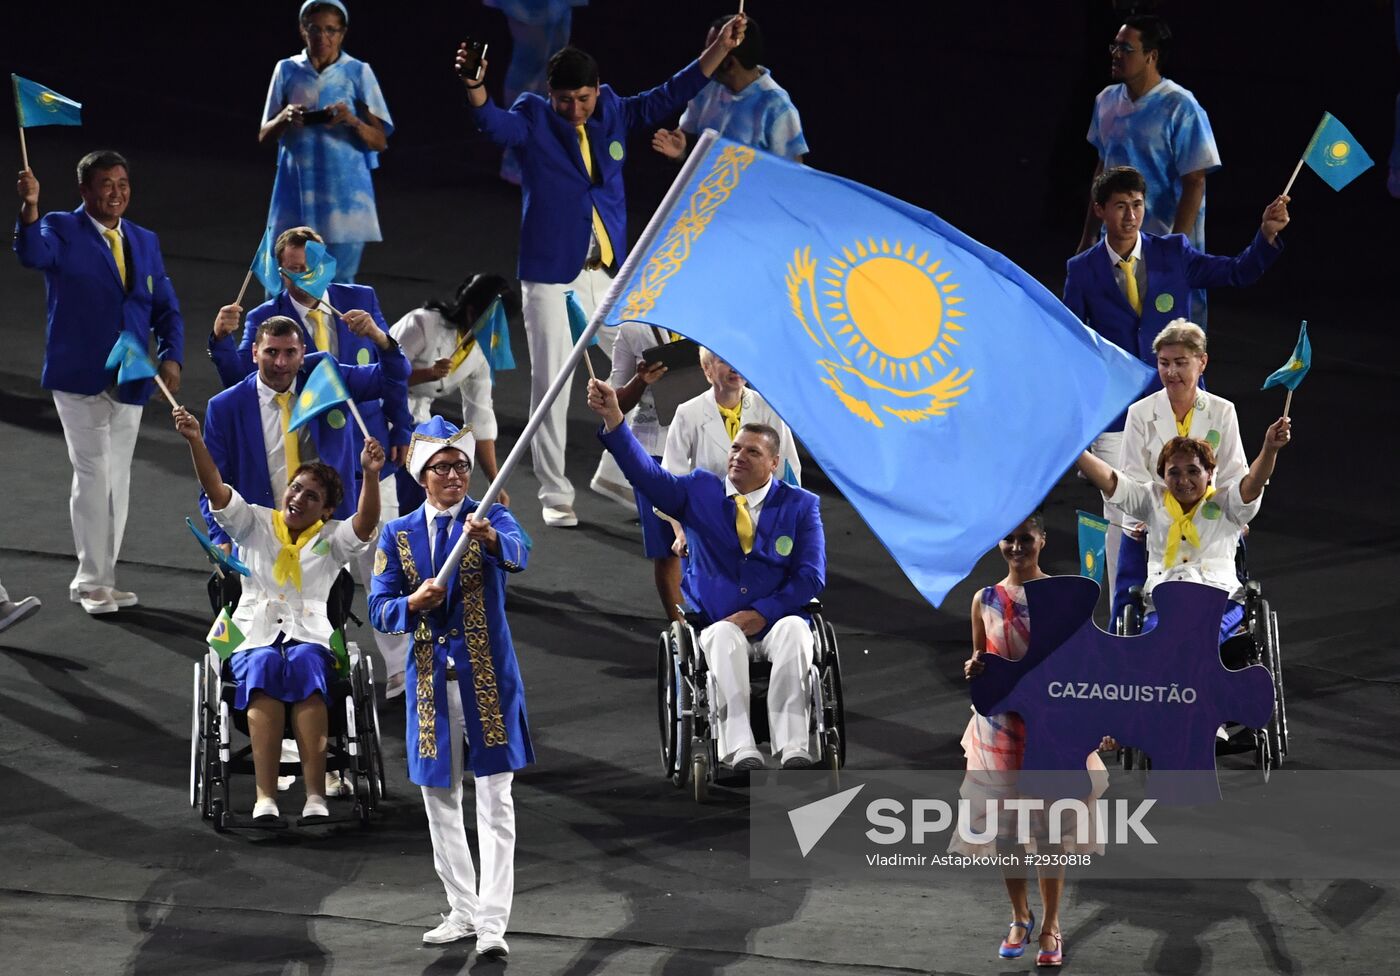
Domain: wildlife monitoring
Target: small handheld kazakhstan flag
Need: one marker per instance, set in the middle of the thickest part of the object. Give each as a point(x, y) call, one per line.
point(320, 269)
point(578, 319)
point(217, 556)
point(896, 347)
point(1335, 155)
point(1291, 373)
point(1093, 533)
point(37, 105)
point(224, 637)
point(130, 359)
point(324, 389)
point(493, 334)
point(264, 266)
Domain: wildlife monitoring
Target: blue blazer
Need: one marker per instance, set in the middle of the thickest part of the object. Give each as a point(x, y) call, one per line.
point(558, 197)
point(388, 419)
point(234, 433)
point(468, 632)
point(785, 570)
point(1174, 267)
point(87, 306)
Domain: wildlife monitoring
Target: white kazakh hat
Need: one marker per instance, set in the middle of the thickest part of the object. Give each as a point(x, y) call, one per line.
point(433, 436)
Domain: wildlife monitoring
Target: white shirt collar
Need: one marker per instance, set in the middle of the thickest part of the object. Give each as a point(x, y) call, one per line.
point(1113, 257)
point(432, 512)
point(266, 394)
point(102, 231)
point(755, 497)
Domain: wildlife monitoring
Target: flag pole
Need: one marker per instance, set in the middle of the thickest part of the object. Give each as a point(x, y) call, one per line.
point(1287, 402)
point(246, 279)
point(23, 148)
point(566, 371)
point(319, 301)
point(1296, 170)
point(355, 412)
point(166, 390)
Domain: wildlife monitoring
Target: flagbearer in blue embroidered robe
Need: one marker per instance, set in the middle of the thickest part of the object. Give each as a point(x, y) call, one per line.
point(466, 701)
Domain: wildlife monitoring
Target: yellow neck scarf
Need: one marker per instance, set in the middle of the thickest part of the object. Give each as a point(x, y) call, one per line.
point(1183, 426)
point(731, 418)
point(288, 564)
point(1182, 526)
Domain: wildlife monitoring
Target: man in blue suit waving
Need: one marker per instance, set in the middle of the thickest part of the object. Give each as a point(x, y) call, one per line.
point(104, 275)
point(757, 558)
point(573, 226)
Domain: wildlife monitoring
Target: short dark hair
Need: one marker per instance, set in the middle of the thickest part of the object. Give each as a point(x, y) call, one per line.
point(317, 8)
point(1037, 518)
point(1200, 449)
point(570, 68)
point(769, 434)
point(1154, 32)
point(294, 237)
point(750, 53)
point(1118, 179)
point(101, 159)
point(329, 479)
point(278, 325)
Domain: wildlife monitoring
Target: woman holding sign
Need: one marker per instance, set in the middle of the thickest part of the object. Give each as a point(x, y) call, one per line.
point(995, 747)
point(293, 555)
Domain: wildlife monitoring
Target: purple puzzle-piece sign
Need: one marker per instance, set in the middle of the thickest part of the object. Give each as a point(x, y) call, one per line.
point(1077, 684)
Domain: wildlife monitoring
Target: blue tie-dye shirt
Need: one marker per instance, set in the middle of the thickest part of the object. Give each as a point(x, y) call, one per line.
point(1164, 134)
point(761, 115)
point(323, 171)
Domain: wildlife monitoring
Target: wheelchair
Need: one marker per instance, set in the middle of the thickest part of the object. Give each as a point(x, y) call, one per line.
point(353, 740)
point(688, 712)
point(1256, 641)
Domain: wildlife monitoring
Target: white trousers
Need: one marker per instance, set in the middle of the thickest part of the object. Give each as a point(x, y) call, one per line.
point(788, 645)
point(547, 332)
point(489, 906)
point(392, 647)
point(100, 432)
point(1107, 447)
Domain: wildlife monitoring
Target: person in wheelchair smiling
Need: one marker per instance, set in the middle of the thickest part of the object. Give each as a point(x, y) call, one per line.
point(1193, 528)
point(758, 558)
point(293, 555)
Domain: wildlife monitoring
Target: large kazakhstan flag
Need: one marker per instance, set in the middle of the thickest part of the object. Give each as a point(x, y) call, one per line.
point(942, 389)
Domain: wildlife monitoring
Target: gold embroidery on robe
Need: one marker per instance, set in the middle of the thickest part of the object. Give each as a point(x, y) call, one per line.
point(474, 627)
point(422, 661)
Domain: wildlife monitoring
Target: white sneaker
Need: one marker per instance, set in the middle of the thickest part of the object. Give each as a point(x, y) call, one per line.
point(491, 946)
point(98, 601)
point(315, 807)
point(613, 491)
point(265, 808)
point(284, 783)
point(123, 598)
point(454, 928)
point(338, 785)
point(393, 688)
point(560, 516)
point(13, 613)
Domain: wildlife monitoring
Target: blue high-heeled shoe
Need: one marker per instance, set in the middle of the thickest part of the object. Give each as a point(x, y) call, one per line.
point(1014, 950)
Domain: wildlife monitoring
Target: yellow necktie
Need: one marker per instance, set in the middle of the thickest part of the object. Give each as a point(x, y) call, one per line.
point(1183, 426)
point(288, 564)
point(289, 438)
point(1130, 284)
point(114, 241)
point(1182, 526)
point(460, 354)
point(319, 330)
point(731, 418)
point(605, 249)
point(743, 523)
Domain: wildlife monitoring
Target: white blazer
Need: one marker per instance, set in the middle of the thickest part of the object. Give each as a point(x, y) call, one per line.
point(697, 439)
point(1151, 424)
point(268, 608)
point(425, 336)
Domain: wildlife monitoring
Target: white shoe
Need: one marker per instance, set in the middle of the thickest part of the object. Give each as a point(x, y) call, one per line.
point(265, 808)
point(123, 598)
point(284, 783)
point(560, 516)
point(315, 807)
point(98, 601)
point(393, 688)
point(338, 785)
point(13, 613)
point(491, 946)
point(454, 928)
point(615, 492)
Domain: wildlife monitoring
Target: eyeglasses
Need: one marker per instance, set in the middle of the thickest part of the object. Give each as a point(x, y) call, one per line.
point(313, 30)
point(444, 468)
point(1121, 47)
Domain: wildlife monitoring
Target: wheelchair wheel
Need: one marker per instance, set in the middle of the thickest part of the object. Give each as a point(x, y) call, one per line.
point(1278, 725)
point(376, 741)
point(674, 704)
point(833, 694)
point(699, 770)
point(833, 752)
point(197, 743)
point(1129, 623)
